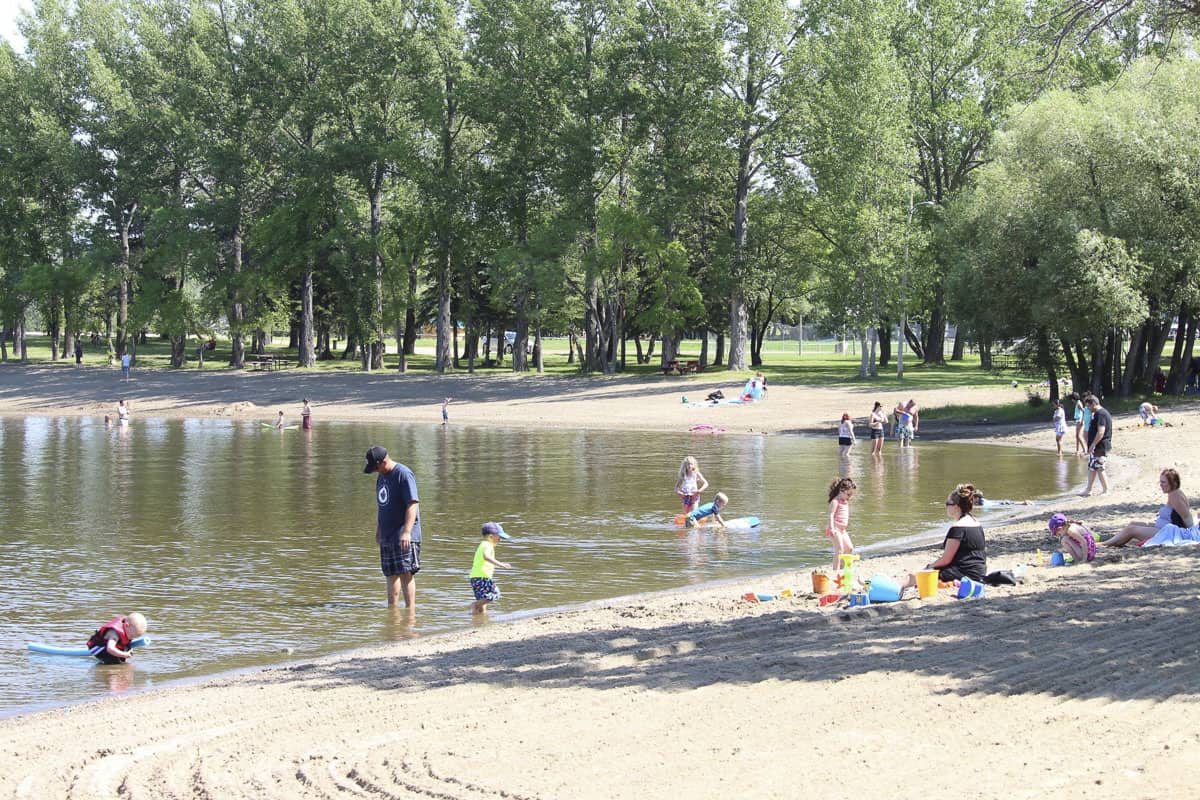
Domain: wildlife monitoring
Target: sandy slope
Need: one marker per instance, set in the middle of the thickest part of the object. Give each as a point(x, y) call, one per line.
point(650, 403)
point(1080, 683)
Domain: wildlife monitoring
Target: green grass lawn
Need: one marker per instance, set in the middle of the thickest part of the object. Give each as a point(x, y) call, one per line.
point(784, 364)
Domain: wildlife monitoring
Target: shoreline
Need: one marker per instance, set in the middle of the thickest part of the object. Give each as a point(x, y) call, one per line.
point(683, 687)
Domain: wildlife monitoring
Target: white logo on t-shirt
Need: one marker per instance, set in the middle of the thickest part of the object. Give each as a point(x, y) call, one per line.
point(383, 495)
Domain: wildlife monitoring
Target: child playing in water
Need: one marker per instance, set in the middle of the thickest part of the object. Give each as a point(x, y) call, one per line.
point(712, 509)
point(485, 565)
point(445, 410)
point(279, 422)
point(115, 637)
point(1060, 425)
point(841, 490)
point(1077, 541)
point(690, 484)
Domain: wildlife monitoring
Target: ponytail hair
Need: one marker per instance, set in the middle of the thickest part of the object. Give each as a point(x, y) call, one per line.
point(839, 484)
point(964, 497)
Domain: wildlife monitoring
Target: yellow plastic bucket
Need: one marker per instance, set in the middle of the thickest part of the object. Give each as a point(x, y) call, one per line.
point(927, 583)
point(820, 583)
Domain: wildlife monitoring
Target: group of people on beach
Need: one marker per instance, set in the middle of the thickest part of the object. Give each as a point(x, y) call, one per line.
point(905, 422)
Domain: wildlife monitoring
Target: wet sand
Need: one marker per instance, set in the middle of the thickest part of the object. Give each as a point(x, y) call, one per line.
point(1079, 683)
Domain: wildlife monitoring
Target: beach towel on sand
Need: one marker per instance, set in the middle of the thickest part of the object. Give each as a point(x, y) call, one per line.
point(1173, 535)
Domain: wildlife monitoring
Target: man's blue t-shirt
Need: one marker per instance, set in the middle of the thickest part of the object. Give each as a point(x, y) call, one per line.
point(706, 510)
point(395, 491)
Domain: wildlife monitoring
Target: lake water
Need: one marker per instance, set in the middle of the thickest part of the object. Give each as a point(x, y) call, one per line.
point(242, 544)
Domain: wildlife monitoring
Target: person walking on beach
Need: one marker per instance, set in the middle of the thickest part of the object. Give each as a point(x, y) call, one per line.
point(126, 364)
point(1083, 421)
point(1099, 443)
point(78, 351)
point(875, 424)
point(398, 525)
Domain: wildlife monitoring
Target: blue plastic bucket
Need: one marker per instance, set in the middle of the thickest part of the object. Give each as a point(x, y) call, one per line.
point(969, 588)
point(884, 589)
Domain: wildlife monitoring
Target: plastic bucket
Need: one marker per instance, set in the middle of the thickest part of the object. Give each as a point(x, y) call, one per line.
point(927, 583)
point(1057, 560)
point(820, 583)
point(969, 588)
point(884, 589)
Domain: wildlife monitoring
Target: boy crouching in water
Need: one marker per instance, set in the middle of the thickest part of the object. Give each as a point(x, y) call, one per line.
point(712, 509)
point(485, 565)
point(115, 637)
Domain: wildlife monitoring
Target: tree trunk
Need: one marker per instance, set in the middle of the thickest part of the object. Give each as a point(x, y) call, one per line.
point(123, 288)
point(1181, 357)
point(884, 334)
point(445, 254)
point(959, 341)
point(936, 334)
point(914, 343)
point(719, 358)
point(307, 352)
point(704, 348)
point(20, 349)
point(179, 351)
point(237, 312)
point(1135, 356)
point(375, 360)
point(410, 313)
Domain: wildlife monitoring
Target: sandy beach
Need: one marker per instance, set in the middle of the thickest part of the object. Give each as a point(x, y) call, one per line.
point(1078, 683)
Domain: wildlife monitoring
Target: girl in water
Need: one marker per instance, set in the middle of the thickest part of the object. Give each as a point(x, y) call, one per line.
point(845, 436)
point(841, 491)
point(877, 420)
point(1060, 425)
point(690, 484)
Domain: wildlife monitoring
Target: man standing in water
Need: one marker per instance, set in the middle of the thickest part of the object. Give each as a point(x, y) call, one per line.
point(1099, 443)
point(398, 526)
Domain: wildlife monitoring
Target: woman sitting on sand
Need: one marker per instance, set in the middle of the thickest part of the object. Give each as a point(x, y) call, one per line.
point(964, 551)
point(1176, 512)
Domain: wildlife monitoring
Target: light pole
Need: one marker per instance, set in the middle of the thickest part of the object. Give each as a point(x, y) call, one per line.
point(912, 207)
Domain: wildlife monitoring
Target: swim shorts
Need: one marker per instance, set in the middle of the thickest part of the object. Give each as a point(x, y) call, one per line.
point(1096, 463)
point(904, 432)
point(689, 499)
point(845, 441)
point(394, 561)
point(485, 589)
point(876, 433)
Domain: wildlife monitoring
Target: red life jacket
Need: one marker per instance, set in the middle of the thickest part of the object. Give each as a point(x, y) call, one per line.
point(117, 625)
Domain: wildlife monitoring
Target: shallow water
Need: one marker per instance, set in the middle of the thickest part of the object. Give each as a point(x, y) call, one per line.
point(245, 546)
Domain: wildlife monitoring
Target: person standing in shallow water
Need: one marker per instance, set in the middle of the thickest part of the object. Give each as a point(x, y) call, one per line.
point(306, 415)
point(398, 525)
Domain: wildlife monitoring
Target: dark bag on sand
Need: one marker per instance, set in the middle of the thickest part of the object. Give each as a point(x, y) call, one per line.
point(717, 395)
point(1000, 578)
